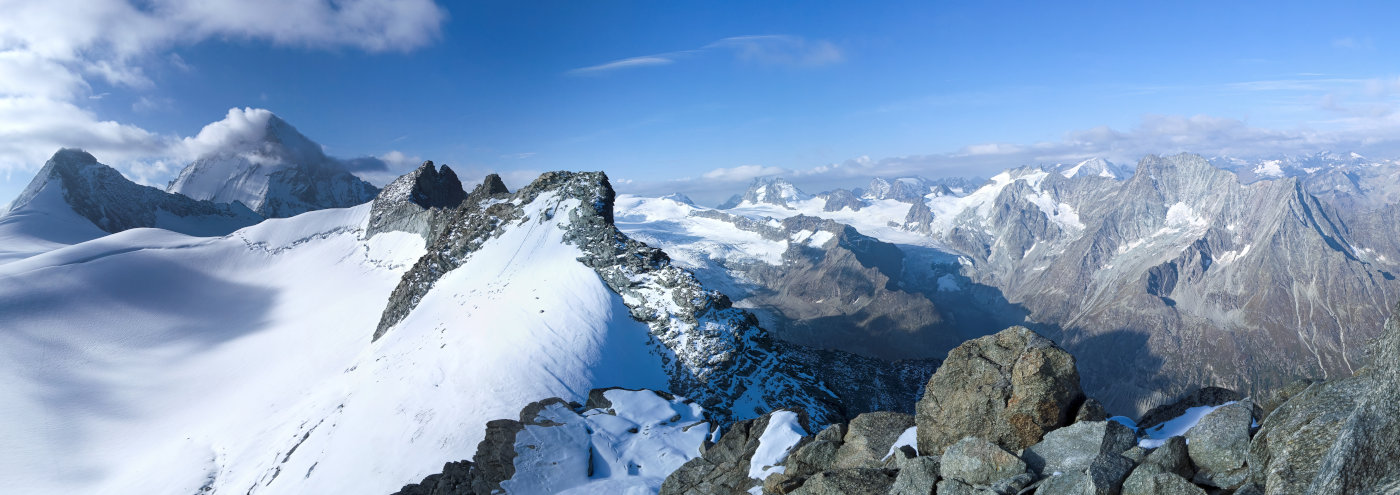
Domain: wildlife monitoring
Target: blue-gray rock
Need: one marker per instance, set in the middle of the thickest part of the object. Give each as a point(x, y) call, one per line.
point(1075, 447)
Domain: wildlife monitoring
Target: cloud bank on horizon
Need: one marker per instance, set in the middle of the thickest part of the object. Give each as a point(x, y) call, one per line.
point(53, 52)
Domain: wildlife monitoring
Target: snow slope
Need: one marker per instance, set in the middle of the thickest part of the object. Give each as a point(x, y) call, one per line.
point(153, 362)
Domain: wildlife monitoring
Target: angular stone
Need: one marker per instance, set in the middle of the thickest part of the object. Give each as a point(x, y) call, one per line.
point(917, 476)
point(1150, 479)
point(860, 481)
point(1075, 447)
point(1012, 485)
point(955, 487)
point(1173, 457)
point(869, 437)
point(978, 462)
point(1219, 444)
point(1009, 388)
point(1092, 410)
point(813, 458)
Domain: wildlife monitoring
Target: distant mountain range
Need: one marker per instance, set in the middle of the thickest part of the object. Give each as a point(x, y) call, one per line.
point(273, 324)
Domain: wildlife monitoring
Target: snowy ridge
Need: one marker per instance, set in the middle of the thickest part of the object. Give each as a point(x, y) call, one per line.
point(711, 352)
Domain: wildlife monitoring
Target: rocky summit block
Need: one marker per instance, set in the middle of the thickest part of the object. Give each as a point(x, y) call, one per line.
point(1009, 388)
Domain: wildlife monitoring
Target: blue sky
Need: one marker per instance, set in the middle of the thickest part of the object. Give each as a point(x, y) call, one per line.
point(701, 96)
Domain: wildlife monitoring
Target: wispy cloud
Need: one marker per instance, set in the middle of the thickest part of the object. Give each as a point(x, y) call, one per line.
point(1351, 43)
point(771, 49)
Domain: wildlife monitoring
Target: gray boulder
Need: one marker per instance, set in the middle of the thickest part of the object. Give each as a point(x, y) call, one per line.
point(1075, 447)
point(1172, 457)
point(955, 487)
point(917, 476)
point(1150, 479)
point(1104, 476)
point(860, 481)
point(979, 462)
point(1009, 388)
point(1219, 445)
point(869, 437)
point(455, 479)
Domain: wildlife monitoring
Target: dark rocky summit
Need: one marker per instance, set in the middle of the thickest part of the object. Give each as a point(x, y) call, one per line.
point(415, 202)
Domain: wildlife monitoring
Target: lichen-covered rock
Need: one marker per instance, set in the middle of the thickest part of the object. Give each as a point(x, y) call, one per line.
point(869, 437)
point(979, 462)
point(1075, 447)
point(1338, 436)
point(858, 481)
point(1150, 479)
point(1219, 444)
point(1009, 388)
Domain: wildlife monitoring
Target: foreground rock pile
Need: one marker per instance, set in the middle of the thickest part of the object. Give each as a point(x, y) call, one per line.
point(1005, 415)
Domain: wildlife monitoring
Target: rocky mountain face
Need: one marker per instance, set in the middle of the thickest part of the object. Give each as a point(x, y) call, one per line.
point(1006, 415)
point(278, 173)
point(835, 288)
point(1348, 181)
point(113, 203)
point(714, 353)
point(1178, 275)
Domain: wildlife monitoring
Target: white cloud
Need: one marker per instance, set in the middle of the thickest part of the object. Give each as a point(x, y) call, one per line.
point(50, 50)
point(743, 173)
point(770, 49)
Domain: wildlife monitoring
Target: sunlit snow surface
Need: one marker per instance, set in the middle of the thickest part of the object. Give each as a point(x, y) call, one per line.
point(154, 362)
point(1157, 435)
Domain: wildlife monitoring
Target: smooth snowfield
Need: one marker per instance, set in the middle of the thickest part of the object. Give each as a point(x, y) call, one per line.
point(153, 362)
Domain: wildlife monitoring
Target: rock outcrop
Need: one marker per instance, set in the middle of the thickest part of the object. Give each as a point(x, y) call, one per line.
point(1009, 388)
point(416, 201)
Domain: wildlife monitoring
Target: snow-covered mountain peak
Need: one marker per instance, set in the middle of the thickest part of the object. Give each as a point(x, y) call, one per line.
point(774, 191)
point(1093, 167)
point(256, 158)
point(73, 186)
